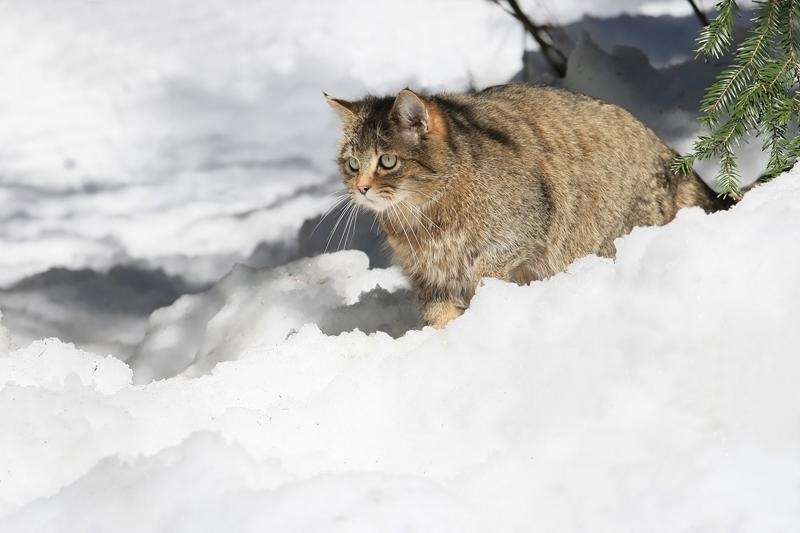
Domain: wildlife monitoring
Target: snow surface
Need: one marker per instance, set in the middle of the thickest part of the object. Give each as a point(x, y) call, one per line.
point(251, 309)
point(147, 146)
point(655, 392)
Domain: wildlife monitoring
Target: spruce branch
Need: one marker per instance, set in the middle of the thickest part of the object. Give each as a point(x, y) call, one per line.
point(752, 55)
point(715, 38)
point(758, 94)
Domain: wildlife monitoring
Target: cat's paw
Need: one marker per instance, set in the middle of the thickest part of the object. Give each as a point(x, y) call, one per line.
point(439, 314)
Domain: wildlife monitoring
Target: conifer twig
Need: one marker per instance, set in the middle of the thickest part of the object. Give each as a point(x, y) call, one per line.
point(757, 95)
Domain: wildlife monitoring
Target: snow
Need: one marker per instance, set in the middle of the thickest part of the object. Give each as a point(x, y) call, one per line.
point(5, 339)
point(146, 147)
point(657, 390)
point(251, 309)
point(50, 365)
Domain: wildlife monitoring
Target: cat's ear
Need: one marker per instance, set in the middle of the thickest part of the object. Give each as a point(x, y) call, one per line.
point(411, 113)
point(347, 111)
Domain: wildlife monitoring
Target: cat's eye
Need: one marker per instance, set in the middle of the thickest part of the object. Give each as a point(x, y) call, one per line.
point(388, 161)
point(353, 164)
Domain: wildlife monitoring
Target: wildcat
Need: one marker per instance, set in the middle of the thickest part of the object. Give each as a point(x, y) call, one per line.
point(514, 182)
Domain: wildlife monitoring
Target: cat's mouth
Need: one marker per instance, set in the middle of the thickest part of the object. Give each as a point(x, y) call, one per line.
point(375, 200)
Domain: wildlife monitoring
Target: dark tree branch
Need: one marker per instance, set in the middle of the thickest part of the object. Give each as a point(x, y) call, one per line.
point(555, 57)
point(700, 15)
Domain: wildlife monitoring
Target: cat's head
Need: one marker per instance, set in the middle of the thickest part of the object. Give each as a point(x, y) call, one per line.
point(392, 149)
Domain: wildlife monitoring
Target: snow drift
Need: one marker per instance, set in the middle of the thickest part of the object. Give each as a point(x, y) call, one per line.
point(251, 309)
point(655, 392)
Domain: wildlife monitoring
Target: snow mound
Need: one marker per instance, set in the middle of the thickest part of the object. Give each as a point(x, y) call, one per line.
point(656, 392)
point(101, 312)
point(250, 309)
point(53, 365)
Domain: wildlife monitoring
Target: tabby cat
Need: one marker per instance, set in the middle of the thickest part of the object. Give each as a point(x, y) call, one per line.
point(514, 182)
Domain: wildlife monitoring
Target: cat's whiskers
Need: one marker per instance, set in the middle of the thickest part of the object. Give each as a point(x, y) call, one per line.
point(410, 228)
point(338, 220)
point(413, 251)
point(416, 216)
point(431, 200)
point(345, 231)
point(337, 203)
point(355, 222)
point(351, 231)
point(346, 225)
point(420, 213)
point(417, 191)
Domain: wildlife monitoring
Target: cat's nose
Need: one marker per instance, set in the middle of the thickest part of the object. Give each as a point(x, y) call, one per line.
point(363, 189)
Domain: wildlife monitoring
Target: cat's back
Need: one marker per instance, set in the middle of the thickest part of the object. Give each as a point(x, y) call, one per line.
point(597, 165)
point(582, 147)
point(563, 123)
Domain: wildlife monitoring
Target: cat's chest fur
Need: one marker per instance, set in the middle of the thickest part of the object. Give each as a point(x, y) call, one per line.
point(438, 258)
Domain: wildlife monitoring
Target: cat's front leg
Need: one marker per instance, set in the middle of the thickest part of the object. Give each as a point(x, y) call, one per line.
point(438, 313)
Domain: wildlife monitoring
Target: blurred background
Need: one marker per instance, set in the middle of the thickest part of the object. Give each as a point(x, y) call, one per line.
point(148, 146)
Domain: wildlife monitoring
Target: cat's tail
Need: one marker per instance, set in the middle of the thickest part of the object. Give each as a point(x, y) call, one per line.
point(693, 191)
point(726, 202)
